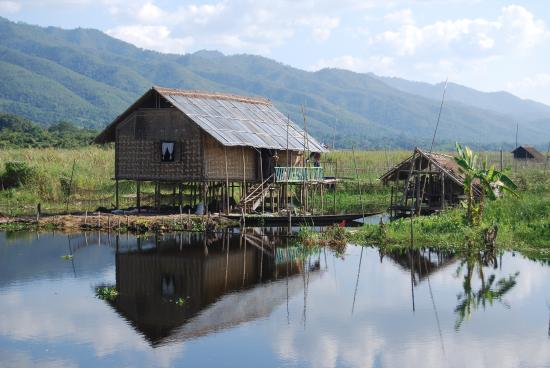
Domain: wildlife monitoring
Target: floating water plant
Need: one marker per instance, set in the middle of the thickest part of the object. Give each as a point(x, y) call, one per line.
point(106, 292)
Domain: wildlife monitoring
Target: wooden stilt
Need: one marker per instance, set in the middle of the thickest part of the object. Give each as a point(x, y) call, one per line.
point(138, 196)
point(226, 182)
point(174, 195)
point(322, 200)
point(116, 194)
point(442, 191)
point(391, 202)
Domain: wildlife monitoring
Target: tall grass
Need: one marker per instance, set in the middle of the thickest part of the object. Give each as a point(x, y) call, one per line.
point(92, 184)
point(93, 170)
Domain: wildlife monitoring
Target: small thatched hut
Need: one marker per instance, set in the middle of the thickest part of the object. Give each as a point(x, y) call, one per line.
point(425, 182)
point(205, 140)
point(528, 153)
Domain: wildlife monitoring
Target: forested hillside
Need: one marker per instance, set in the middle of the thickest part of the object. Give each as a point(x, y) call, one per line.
point(87, 77)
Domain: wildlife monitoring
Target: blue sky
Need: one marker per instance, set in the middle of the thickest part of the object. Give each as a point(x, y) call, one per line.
point(489, 45)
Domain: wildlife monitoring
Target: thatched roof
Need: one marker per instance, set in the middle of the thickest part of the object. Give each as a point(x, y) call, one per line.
point(443, 162)
point(520, 150)
point(231, 120)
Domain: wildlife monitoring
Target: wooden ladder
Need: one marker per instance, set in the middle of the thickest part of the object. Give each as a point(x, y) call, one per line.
point(255, 195)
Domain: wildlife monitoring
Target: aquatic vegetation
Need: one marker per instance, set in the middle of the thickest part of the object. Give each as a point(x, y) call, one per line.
point(106, 292)
point(333, 237)
point(67, 257)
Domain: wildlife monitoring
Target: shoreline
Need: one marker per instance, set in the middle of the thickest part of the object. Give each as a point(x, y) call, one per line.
point(133, 223)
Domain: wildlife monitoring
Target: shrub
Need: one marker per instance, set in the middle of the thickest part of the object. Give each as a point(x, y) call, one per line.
point(17, 173)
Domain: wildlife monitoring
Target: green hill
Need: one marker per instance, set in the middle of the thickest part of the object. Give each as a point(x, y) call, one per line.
point(84, 76)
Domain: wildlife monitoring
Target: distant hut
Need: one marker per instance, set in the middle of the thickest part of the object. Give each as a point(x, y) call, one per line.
point(525, 152)
point(425, 183)
point(205, 144)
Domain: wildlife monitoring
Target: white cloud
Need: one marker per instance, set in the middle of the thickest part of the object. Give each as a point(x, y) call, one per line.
point(9, 7)
point(400, 17)
point(532, 87)
point(515, 27)
point(521, 27)
point(240, 25)
point(157, 38)
point(321, 26)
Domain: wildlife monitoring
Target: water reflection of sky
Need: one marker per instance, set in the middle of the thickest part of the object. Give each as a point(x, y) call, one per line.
point(50, 316)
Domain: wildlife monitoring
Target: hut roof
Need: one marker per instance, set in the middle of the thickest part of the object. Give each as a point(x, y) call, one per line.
point(532, 150)
point(443, 162)
point(231, 120)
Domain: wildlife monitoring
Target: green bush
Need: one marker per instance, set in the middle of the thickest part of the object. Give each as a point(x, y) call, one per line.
point(17, 173)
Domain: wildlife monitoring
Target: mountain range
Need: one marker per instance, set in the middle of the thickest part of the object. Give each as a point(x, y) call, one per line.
point(87, 77)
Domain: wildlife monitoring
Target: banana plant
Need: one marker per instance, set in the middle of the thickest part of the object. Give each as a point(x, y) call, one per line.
point(491, 181)
point(467, 165)
point(494, 183)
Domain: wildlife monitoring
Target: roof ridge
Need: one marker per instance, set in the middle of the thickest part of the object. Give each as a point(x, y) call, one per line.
point(212, 95)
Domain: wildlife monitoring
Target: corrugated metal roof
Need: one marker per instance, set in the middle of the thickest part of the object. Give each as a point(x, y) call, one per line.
point(240, 121)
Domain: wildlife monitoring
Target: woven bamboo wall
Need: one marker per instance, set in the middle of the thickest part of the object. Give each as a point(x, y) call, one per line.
point(214, 161)
point(138, 146)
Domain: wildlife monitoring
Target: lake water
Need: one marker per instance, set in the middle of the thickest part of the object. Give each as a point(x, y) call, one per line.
point(257, 300)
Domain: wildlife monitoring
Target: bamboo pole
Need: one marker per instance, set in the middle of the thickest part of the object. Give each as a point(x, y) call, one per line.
point(70, 187)
point(358, 182)
point(335, 182)
point(226, 182)
point(262, 180)
point(244, 191)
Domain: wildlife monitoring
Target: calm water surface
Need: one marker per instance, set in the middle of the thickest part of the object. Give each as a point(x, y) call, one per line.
point(258, 301)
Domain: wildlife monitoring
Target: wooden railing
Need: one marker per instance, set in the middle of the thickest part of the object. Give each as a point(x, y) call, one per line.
point(298, 174)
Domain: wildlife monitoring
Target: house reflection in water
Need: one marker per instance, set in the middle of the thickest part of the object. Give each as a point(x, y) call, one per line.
point(421, 263)
point(225, 279)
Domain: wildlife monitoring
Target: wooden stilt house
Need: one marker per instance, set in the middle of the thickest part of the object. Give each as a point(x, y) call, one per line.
point(424, 183)
point(205, 145)
point(526, 152)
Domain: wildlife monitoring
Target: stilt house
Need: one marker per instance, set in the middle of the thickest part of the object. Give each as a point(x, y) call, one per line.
point(528, 153)
point(209, 142)
point(425, 183)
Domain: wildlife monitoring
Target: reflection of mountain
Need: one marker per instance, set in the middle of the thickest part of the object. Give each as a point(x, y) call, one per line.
point(226, 280)
point(420, 262)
